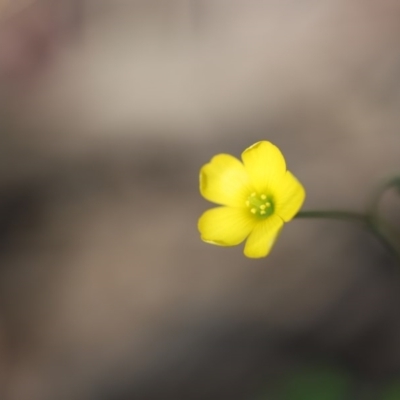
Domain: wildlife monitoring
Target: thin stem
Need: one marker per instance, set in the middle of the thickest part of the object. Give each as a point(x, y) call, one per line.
point(368, 221)
point(385, 234)
point(334, 214)
point(373, 206)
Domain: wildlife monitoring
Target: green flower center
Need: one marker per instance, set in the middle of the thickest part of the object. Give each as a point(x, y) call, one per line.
point(260, 205)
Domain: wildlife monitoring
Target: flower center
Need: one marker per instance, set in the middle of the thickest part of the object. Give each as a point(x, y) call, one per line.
point(260, 205)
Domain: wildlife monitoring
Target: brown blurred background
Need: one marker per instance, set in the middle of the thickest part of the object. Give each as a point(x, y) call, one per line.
point(109, 109)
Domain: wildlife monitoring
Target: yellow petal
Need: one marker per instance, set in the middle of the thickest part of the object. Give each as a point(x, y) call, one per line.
point(289, 196)
point(265, 165)
point(225, 181)
point(225, 226)
point(263, 237)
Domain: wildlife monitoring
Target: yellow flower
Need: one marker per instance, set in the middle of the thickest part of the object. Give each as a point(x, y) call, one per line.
point(256, 198)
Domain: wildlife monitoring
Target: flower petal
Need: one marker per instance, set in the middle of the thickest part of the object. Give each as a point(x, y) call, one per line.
point(225, 181)
point(265, 165)
point(289, 196)
point(263, 237)
point(225, 226)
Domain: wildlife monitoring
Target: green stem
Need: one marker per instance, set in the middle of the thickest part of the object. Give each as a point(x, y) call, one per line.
point(367, 221)
point(373, 206)
point(334, 214)
point(384, 237)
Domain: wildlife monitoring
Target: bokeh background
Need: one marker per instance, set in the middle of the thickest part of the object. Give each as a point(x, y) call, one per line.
point(108, 109)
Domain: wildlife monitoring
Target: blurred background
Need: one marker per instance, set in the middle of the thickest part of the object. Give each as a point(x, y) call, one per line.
point(109, 108)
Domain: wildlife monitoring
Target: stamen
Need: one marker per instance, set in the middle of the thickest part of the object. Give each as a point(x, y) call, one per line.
point(260, 205)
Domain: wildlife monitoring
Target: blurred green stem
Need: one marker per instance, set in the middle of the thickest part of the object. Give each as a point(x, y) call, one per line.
point(373, 206)
point(369, 221)
point(334, 214)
